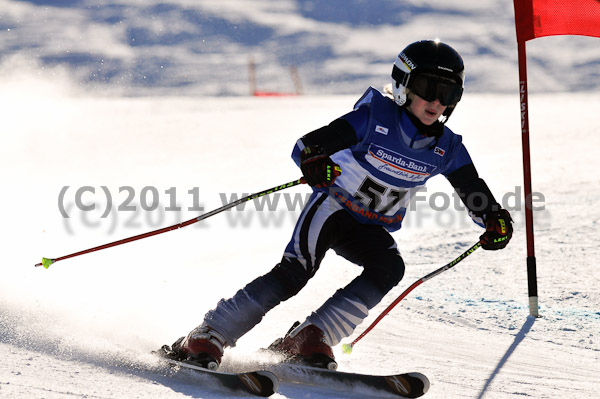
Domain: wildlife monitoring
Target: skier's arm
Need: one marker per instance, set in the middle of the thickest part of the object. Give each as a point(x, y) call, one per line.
point(332, 138)
point(312, 152)
point(483, 208)
point(342, 133)
point(473, 191)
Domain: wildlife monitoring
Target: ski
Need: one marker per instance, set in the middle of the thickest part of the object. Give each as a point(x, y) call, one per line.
point(260, 382)
point(405, 385)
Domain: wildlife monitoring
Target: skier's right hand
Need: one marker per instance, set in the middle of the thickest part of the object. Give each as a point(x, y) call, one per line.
point(318, 168)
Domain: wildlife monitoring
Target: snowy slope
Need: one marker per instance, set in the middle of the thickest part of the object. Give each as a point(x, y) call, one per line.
point(136, 47)
point(84, 328)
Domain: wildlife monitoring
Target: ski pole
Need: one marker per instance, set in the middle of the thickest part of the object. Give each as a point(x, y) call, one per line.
point(347, 348)
point(46, 262)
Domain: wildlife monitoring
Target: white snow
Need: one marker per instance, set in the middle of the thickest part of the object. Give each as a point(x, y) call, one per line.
point(85, 327)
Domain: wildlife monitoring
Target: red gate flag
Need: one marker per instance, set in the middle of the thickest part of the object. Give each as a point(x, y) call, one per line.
point(537, 18)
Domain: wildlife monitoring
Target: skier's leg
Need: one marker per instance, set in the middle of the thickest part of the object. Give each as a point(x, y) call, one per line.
point(373, 248)
point(314, 234)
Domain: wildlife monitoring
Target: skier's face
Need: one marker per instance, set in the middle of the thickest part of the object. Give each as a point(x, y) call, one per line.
point(426, 111)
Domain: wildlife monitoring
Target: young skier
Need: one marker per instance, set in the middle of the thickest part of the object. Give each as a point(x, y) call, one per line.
point(363, 168)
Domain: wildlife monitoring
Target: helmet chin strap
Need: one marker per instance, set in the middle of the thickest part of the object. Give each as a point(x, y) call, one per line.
point(447, 113)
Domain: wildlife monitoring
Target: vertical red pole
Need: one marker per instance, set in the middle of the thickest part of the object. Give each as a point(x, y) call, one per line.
point(531, 263)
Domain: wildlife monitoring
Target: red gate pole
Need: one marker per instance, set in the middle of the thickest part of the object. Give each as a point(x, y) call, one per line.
point(531, 263)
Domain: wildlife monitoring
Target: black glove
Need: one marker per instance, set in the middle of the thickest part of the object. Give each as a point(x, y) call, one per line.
point(498, 230)
point(318, 168)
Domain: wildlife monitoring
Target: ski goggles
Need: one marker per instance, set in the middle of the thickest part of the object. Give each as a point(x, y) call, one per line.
point(430, 88)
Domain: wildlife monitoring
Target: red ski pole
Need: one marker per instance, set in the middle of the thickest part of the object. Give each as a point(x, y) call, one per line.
point(46, 262)
point(347, 348)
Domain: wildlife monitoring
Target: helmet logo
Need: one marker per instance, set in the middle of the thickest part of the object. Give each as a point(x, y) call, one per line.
point(445, 68)
point(409, 63)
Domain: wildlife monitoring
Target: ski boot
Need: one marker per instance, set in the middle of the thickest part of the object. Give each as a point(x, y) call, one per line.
point(203, 346)
point(305, 344)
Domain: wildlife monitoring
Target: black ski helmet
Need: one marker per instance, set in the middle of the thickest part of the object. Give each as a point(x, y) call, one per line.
point(433, 61)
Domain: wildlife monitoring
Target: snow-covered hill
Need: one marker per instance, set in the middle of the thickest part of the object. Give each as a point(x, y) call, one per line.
point(176, 47)
point(84, 328)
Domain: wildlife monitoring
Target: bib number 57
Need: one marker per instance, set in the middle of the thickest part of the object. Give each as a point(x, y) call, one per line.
point(378, 197)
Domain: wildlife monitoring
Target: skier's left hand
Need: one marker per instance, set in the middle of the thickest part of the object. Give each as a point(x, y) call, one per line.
point(498, 230)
